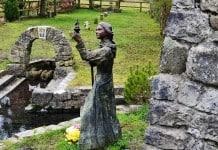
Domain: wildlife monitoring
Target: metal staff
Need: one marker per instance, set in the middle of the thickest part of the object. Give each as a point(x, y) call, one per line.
point(77, 30)
point(92, 73)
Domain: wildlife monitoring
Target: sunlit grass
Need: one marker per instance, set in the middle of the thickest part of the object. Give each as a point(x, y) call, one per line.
point(42, 49)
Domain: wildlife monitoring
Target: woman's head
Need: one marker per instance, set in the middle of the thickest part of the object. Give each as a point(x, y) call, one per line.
point(103, 30)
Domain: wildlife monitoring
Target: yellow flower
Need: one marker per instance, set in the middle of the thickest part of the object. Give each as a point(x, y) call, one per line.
point(72, 134)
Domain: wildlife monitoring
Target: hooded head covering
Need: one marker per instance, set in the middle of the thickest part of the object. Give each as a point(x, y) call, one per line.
point(108, 29)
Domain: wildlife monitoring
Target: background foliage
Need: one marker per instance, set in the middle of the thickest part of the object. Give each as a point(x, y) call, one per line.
point(159, 10)
point(137, 88)
point(11, 10)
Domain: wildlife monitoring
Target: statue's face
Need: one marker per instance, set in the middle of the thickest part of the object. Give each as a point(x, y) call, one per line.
point(100, 32)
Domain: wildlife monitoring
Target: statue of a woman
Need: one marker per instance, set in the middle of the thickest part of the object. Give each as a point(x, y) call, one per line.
point(99, 124)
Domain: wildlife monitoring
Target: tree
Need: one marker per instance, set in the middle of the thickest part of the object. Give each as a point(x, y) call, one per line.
point(159, 10)
point(11, 10)
point(21, 5)
point(91, 4)
point(43, 12)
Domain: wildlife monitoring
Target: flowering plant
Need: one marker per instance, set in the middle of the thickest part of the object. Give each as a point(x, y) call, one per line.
point(66, 4)
point(72, 134)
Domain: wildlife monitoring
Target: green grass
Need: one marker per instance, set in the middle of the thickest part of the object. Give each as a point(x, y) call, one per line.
point(4, 63)
point(136, 36)
point(133, 128)
point(46, 141)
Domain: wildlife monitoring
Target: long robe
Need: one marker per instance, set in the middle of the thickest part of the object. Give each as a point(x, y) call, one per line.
point(99, 124)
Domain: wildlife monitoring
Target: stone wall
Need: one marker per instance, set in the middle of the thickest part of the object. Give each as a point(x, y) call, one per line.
point(184, 105)
point(21, 51)
point(70, 99)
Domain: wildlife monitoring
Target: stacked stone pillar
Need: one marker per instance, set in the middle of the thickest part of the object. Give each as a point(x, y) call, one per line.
point(183, 111)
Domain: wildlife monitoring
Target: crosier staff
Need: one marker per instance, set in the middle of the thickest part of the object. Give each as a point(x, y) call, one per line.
point(77, 30)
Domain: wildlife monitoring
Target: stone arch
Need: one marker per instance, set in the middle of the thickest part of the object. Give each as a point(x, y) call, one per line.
point(20, 53)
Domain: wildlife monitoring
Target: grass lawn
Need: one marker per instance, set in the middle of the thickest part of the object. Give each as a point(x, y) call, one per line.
point(136, 36)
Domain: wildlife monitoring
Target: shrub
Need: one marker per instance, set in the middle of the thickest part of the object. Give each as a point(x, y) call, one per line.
point(160, 9)
point(11, 10)
point(66, 4)
point(137, 87)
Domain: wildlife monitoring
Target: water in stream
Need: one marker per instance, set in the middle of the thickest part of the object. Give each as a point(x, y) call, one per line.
point(14, 119)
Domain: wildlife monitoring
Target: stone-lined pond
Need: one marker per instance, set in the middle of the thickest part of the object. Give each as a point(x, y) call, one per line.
point(14, 119)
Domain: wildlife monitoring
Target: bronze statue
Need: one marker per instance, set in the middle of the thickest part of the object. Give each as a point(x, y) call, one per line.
point(99, 124)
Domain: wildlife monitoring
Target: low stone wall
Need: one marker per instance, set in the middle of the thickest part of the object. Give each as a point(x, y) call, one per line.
point(184, 105)
point(67, 99)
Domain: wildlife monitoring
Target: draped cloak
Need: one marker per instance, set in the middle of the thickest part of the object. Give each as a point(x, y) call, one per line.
point(99, 124)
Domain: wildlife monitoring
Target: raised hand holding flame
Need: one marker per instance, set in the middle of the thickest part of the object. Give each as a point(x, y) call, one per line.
point(76, 35)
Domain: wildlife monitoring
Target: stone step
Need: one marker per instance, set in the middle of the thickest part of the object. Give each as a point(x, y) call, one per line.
point(119, 89)
point(5, 80)
point(57, 85)
point(119, 99)
point(10, 87)
point(127, 108)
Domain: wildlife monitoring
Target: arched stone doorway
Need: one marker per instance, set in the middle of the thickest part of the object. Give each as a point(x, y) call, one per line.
point(20, 53)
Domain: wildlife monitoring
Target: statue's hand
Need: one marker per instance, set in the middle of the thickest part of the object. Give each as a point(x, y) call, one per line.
point(76, 37)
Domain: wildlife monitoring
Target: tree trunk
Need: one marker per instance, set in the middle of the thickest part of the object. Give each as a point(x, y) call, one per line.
point(78, 4)
point(90, 4)
point(42, 12)
point(55, 7)
point(21, 5)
